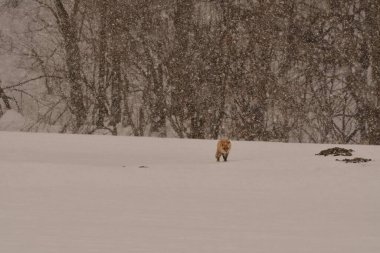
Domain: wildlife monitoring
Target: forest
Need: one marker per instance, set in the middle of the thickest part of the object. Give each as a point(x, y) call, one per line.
point(264, 70)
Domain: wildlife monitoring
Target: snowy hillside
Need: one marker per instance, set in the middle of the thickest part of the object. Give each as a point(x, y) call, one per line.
point(87, 194)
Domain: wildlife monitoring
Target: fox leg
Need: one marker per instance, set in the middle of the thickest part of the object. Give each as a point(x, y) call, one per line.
point(217, 156)
point(225, 157)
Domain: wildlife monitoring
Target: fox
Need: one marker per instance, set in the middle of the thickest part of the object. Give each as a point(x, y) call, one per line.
point(223, 148)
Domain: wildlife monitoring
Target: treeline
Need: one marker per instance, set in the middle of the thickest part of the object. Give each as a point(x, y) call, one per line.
point(295, 70)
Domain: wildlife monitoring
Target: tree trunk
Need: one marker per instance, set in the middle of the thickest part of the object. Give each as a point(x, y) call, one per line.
point(373, 117)
point(101, 93)
point(73, 62)
point(115, 54)
point(158, 107)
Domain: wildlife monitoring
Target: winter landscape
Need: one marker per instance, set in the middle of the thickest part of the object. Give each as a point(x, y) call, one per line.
point(68, 193)
point(111, 111)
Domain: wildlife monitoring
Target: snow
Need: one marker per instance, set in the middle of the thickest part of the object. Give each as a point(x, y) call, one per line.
point(80, 193)
point(12, 121)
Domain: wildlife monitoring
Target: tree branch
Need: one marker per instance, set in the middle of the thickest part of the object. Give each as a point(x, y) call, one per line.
point(30, 80)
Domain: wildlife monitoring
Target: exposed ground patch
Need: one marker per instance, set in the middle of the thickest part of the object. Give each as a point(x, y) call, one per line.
point(336, 151)
point(355, 160)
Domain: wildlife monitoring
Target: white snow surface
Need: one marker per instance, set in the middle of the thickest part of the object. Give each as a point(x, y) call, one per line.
point(11, 120)
point(87, 194)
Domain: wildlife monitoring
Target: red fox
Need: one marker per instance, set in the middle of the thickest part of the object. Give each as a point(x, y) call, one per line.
point(222, 149)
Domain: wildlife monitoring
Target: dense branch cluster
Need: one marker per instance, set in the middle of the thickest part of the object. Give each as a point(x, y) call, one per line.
point(295, 70)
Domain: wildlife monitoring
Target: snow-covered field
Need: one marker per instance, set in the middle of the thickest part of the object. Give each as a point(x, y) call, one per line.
point(82, 194)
